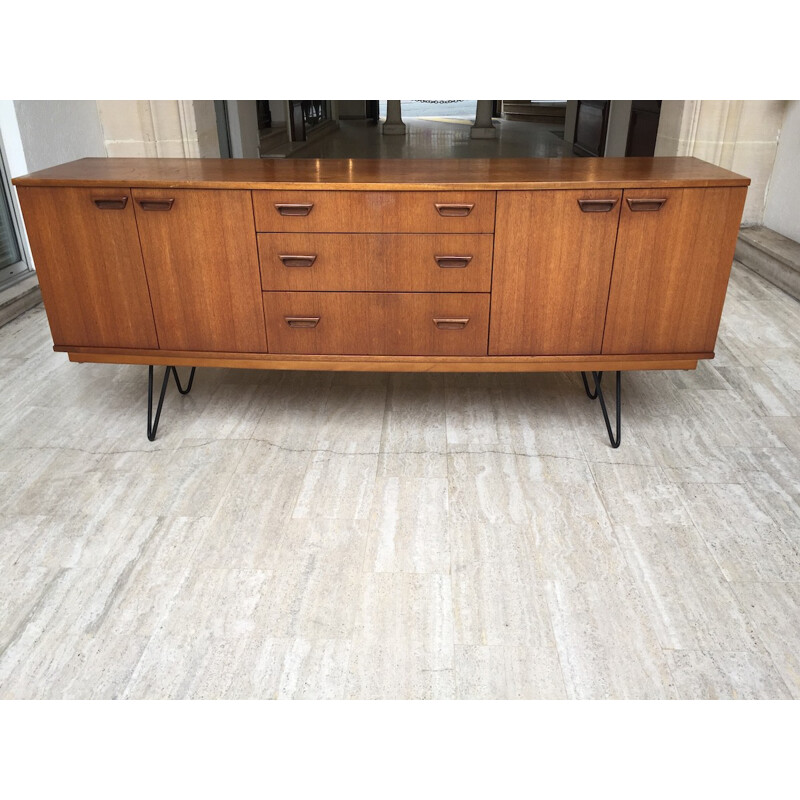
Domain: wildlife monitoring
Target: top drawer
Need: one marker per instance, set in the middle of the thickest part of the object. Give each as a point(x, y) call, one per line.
point(374, 212)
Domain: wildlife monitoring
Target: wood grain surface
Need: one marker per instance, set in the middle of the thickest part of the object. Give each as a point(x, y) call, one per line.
point(202, 265)
point(373, 323)
point(341, 363)
point(375, 212)
point(397, 174)
point(89, 267)
point(391, 262)
point(552, 269)
point(671, 271)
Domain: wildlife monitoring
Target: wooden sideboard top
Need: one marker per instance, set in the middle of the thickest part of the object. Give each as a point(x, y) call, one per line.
point(386, 174)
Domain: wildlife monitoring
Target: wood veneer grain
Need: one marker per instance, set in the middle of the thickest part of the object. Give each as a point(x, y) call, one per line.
point(671, 270)
point(399, 174)
point(376, 262)
point(375, 212)
point(377, 323)
point(202, 265)
point(89, 267)
point(343, 363)
point(552, 269)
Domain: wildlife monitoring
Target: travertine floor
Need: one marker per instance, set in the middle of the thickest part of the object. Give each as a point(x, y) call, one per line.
point(404, 536)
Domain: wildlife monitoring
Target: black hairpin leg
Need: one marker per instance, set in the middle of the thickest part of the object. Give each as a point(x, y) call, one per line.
point(152, 424)
point(615, 439)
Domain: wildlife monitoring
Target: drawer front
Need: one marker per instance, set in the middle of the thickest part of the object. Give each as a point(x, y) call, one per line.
point(374, 212)
point(389, 262)
point(371, 323)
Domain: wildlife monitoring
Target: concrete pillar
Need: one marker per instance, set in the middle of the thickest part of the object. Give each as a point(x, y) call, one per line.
point(159, 128)
point(483, 128)
point(394, 121)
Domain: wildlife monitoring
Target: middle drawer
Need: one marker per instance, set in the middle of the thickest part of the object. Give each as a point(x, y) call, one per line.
point(388, 262)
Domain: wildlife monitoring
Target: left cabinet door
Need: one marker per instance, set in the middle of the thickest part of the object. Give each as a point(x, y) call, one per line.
point(201, 259)
point(86, 252)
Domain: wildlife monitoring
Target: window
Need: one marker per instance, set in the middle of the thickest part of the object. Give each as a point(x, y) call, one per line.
point(12, 261)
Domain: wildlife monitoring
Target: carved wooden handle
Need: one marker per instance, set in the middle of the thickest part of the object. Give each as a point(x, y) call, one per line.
point(302, 322)
point(446, 324)
point(645, 203)
point(157, 205)
point(297, 261)
point(454, 209)
point(110, 203)
point(453, 262)
point(294, 209)
point(597, 206)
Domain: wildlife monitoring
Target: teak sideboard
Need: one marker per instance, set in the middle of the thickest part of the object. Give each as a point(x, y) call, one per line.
point(585, 264)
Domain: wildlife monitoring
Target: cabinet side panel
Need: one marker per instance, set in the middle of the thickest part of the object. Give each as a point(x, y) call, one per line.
point(552, 267)
point(671, 269)
point(89, 266)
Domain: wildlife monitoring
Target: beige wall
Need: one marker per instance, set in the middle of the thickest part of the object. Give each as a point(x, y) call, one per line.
point(56, 131)
point(782, 209)
point(159, 128)
point(740, 135)
point(243, 123)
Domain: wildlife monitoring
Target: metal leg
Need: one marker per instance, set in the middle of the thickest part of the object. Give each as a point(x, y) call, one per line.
point(615, 439)
point(178, 383)
point(586, 385)
point(152, 424)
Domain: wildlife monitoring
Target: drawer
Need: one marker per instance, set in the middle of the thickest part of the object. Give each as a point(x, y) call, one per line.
point(381, 262)
point(373, 212)
point(373, 323)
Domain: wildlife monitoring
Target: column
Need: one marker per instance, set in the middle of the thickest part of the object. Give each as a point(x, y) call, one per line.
point(394, 121)
point(483, 128)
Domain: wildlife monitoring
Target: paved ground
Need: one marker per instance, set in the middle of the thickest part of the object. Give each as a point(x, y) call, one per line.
point(325, 535)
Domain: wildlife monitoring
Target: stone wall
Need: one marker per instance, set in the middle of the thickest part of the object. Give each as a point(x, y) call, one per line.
point(782, 209)
point(159, 128)
point(740, 135)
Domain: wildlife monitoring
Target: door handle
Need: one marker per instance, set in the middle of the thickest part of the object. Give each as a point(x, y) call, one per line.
point(452, 262)
point(645, 203)
point(110, 203)
point(454, 209)
point(302, 322)
point(449, 324)
point(157, 205)
point(297, 261)
point(294, 209)
point(597, 206)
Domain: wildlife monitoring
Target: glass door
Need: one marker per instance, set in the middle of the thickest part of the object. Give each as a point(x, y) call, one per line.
point(12, 263)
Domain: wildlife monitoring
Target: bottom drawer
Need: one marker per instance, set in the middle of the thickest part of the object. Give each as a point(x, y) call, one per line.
point(377, 323)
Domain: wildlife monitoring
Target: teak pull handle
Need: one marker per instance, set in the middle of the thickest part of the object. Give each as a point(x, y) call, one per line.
point(645, 203)
point(454, 209)
point(597, 206)
point(297, 261)
point(453, 262)
point(110, 203)
point(157, 205)
point(294, 209)
point(302, 322)
point(446, 324)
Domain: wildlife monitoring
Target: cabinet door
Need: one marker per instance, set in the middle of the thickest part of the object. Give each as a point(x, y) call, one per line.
point(552, 266)
point(673, 259)
point(86, 250)
point(200, 255)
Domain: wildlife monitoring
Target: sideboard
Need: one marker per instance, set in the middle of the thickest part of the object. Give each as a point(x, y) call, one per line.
point(579, 264)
